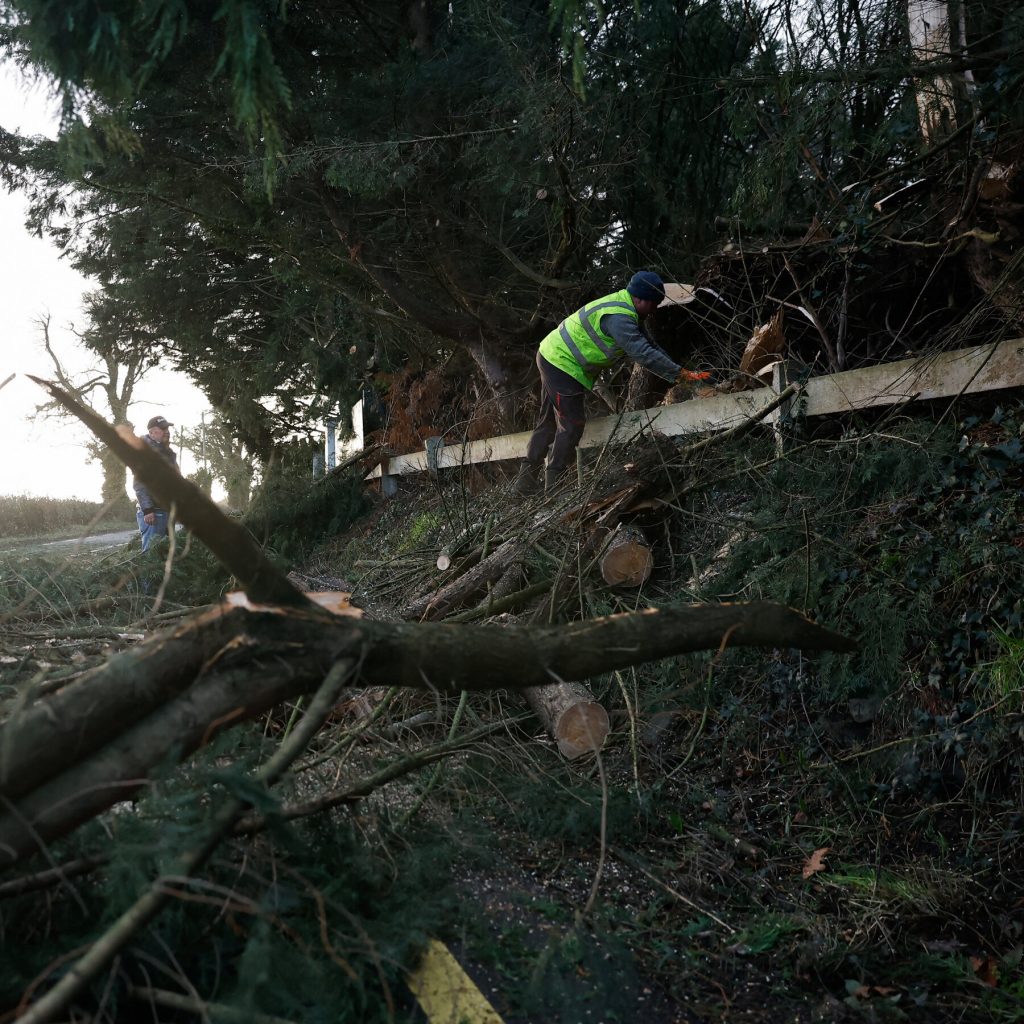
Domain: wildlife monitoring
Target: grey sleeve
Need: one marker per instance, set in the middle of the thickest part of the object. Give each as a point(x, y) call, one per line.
point(637, 346)
point(142, 495)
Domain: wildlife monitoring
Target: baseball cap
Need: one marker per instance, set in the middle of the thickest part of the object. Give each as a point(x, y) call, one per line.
point(159, 421)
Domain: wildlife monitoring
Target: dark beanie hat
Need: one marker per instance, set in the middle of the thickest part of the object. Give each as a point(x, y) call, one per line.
point(645, 284)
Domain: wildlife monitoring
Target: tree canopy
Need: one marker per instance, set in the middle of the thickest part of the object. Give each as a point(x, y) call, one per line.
point(387, 183)
point(285, 197)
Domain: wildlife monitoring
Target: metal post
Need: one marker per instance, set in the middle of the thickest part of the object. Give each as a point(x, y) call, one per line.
point(780, 380)
point(331, 426)
point(358, 430)
point(433, 446)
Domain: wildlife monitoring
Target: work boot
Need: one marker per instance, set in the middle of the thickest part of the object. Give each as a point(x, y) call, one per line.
point(527, 480)
point(552, 476)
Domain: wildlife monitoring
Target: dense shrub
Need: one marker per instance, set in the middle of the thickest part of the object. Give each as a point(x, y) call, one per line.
point(293, 515)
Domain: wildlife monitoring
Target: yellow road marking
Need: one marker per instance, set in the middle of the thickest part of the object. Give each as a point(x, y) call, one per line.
point(446, 993)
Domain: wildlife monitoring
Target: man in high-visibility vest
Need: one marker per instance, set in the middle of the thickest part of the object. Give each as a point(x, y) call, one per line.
point(570, 359)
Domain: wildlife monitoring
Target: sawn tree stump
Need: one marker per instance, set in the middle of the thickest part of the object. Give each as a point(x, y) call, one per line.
point(627, 561)
point(578, 723)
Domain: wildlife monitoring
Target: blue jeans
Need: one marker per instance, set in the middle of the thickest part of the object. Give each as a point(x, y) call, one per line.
point(151, 533)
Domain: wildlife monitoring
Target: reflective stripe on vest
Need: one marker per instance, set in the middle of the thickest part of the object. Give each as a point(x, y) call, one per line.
point(579, 346)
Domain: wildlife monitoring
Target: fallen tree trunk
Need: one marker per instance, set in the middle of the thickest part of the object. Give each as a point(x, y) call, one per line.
point(263, 656)
point(468, 585)
point(102, 703)
point(69, 756)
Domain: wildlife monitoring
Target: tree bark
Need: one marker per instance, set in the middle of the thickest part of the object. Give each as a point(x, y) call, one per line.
point(115, 476)
point(931, 39)
point(638, 389)
point(101, 704)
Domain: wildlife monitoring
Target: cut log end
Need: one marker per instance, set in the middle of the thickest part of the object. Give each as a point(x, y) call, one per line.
point(628, 561)
point(577, 722)
point(581, 729)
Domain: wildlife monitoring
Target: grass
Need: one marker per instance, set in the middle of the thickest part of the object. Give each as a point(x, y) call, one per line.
point(11, 545)
point(1006, 672)
point(25, 516)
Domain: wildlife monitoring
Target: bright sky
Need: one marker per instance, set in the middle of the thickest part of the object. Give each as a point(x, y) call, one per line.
point(42, 456)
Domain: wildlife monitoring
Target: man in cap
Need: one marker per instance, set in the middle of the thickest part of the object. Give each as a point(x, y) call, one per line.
point(151, 517)
point(570, 359)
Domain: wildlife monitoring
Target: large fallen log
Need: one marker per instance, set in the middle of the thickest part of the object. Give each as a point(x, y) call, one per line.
point(176, 691)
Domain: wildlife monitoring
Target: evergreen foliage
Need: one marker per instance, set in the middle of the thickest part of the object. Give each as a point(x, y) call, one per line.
point(221, 457)
point(293, 514)
point(436, 186)
point(284, 202)
point(311, 923)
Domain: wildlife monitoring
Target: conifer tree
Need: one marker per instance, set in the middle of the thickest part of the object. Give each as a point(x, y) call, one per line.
point(276, 195)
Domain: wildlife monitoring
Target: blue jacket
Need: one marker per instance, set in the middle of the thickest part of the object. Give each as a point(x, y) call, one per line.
point(146, 500)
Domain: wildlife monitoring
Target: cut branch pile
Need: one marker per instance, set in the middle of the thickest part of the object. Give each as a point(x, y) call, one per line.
point(68, 756)
point(71, 753)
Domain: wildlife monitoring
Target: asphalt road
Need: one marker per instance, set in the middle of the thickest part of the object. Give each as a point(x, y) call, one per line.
point(96, 542)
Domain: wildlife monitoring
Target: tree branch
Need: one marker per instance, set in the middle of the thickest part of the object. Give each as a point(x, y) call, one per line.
point(278, 654)
point(151, 902)
point(228, 540)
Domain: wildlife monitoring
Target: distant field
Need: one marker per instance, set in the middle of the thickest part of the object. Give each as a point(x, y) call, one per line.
point(23, 517)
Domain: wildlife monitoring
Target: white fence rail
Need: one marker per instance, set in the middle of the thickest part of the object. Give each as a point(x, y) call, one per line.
point(942, 375)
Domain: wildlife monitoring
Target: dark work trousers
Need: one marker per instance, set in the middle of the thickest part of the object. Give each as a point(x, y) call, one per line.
point(561, 420)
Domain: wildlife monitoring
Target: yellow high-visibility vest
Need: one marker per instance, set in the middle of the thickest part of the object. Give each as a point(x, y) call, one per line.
point(579, 346)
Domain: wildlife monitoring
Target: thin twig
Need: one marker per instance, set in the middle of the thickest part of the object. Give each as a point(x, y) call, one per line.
point(216, 1011)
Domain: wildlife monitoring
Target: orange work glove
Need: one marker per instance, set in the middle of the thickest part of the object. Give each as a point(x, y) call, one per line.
point(690, 376)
